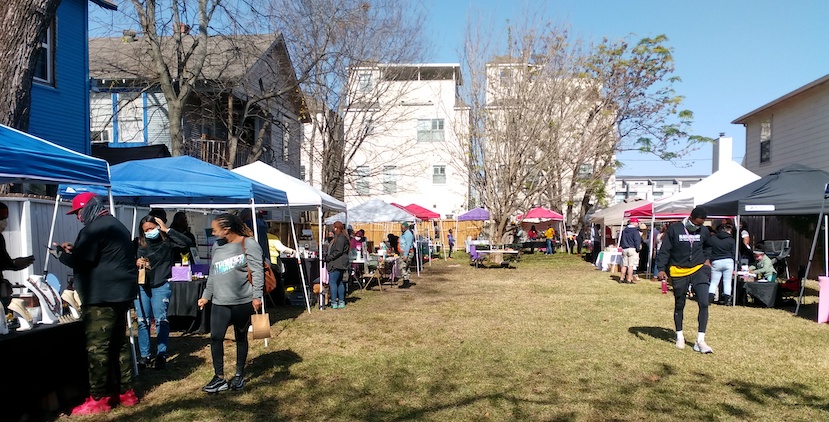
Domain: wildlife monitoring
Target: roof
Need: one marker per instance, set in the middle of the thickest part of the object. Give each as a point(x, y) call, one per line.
point(119, 155)
point(742, 119)
point(116, 58)
point(106, 4)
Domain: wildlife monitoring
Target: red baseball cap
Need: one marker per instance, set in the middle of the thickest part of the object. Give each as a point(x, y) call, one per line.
point(634, 220)
point(79, 201)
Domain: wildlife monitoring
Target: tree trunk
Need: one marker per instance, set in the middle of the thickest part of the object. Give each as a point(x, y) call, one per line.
point(176, 131)
point(23, 22)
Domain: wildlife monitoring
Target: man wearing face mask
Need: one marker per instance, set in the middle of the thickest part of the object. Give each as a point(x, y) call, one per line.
point(6, 261)
point(106, 278)
point(685, 255)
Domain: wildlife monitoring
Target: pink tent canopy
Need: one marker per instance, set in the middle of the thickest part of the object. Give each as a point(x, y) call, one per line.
point(646, 210)
point(419, 212)
point(541, 213)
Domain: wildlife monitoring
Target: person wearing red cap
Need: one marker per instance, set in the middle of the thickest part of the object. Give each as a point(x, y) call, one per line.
point(106, 278)
point(630, 240)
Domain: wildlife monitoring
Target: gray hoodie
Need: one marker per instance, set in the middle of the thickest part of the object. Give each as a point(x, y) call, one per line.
point(228, 283)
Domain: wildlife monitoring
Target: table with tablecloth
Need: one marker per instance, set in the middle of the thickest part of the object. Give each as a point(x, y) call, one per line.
point(184, 300)
point(765, 292)
point(43, 369)
point(608, 258)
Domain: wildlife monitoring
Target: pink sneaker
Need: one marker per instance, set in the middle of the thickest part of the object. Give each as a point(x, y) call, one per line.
point(128, 399)
point(92, 407)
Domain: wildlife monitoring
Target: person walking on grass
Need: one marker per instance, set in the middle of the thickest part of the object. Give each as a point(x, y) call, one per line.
point(630, 240)
point(236, 256)
point(451, 241)
point(406, 254)
point(685, 256)
point(722, 262)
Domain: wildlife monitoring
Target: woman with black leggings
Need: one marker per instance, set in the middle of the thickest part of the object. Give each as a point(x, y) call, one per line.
point(234, 297)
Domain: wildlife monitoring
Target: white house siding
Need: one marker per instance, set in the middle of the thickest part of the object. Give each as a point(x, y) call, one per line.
point(799, 133)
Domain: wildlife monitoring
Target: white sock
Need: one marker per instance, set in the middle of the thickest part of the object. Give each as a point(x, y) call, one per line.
point(680, 336)
point(701, 338)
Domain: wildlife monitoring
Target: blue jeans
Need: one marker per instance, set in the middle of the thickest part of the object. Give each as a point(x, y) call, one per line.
point(337, 286)
point(549, 250)
point(721, 269)
point(153, 304)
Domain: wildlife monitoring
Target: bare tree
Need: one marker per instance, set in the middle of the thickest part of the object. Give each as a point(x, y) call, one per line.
point(548, 114)
point(332, 43)
point(24, 23)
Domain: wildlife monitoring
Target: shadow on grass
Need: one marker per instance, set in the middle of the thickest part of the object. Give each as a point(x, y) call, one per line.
point(659, 333)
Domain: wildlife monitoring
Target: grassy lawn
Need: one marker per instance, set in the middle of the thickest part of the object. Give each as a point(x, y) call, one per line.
point(553, 339)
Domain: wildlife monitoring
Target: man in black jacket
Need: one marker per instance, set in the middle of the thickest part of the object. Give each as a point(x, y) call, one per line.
point(685, 255)
point(630, 240)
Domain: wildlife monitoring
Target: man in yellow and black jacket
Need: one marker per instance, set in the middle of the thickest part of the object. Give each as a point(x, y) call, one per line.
point(685, 255)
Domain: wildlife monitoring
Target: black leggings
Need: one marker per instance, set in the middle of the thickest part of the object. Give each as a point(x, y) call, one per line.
point(221, 316)
point(699, 281)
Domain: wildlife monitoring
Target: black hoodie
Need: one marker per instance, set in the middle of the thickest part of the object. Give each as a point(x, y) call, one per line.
point(678, 250)
point(722, 246)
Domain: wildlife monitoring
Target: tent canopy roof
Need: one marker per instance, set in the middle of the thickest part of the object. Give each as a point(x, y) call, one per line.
point(614, 215)
point(181, 180)
point(475, 214)
point(373, 211)
point(722, 181)
point(300, 194)
point(27, 158)
point(794, 190)
point(418, 212)
point(541, 213)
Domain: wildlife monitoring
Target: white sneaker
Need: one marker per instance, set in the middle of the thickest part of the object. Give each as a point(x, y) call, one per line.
point(703, 348)
point(680, 343)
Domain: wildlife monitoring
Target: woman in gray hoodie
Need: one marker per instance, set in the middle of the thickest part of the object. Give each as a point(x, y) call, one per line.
point(235, 298)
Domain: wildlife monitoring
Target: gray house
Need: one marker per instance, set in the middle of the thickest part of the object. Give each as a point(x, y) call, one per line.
point(793, 129)
point(249, 84)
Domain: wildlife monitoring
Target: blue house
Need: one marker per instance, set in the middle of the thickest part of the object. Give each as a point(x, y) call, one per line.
point(60, 90)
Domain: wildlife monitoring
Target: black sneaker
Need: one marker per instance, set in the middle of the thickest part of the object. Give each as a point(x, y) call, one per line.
point(144, 362)
point(405, 285)
point(215, 385)
point(237, 383)
point(160, 362)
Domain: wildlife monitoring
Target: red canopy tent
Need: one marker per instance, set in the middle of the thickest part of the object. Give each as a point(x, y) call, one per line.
point(419, 212)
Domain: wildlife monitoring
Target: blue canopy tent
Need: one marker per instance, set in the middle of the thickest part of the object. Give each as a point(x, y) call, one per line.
point(29, 159)
point(184, 182)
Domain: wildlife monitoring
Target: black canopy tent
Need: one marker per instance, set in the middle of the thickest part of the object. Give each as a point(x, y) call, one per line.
point(793, 190)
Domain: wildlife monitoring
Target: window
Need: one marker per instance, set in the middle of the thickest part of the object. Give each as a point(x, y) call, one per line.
point(439, 175)
point(44, 71)
point(286, 140)
point(100, 136)
point(364, 83)
point(585, 170)
point(390, 179)
point(361, 184)
point(506, 78)
point(765, 141)
point(302, 173)
point(430, 130)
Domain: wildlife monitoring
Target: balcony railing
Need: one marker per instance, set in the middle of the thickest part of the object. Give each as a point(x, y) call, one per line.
point(216, 152)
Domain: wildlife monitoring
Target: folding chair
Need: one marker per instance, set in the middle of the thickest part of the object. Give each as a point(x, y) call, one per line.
point(474, 256)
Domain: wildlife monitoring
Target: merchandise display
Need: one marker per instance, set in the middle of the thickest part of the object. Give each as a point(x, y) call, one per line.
point(51, 306)
point(73, 302)
point(18, 307)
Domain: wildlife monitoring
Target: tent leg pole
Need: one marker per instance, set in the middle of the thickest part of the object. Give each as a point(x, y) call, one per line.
point(811, 256)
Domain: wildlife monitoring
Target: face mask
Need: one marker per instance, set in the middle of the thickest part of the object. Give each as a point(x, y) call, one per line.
point(3, 224)
point(358, 238)
point(152, 234)
point(690, 226)
point(221, 241)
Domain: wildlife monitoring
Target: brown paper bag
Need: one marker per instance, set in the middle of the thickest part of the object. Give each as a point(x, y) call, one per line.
point(261, 325)
point(142, 275)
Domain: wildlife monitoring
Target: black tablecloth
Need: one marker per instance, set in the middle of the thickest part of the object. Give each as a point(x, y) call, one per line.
point(291, 275)
point(46, 361)
point(184, 303)
point(765, 292)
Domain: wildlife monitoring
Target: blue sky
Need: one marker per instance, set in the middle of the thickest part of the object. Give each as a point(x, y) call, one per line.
point(733, 55)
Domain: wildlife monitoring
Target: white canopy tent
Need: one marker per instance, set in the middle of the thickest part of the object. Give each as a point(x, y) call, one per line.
point(301, 196)
point(731, 177)
point(615, 215)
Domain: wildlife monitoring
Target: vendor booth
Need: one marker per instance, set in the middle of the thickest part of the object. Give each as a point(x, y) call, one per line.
point(40, 376)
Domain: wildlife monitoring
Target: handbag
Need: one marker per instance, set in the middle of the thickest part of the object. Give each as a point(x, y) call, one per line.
point(261, 325)
point(270, 278)
point(142, 275)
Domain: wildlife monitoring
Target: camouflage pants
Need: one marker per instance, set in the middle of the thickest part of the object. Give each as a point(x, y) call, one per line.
point(107, 349)
point(403, 263)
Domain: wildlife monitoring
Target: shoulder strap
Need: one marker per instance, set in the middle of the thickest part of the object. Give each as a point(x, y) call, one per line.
point(244, 251)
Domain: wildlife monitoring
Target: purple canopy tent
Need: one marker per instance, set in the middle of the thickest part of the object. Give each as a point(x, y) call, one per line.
point(477, 214)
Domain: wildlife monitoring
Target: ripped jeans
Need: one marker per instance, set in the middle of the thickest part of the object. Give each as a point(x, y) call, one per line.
point(152, 304)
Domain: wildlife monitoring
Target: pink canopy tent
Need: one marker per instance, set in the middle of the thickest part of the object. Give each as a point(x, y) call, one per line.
point(541, 213)
point(646, 210)
point(419, 212)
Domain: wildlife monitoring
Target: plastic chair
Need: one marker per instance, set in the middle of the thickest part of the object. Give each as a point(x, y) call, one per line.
point(474, 256)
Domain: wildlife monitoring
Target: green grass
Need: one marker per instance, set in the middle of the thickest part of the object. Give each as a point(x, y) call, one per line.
point(553, 339)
